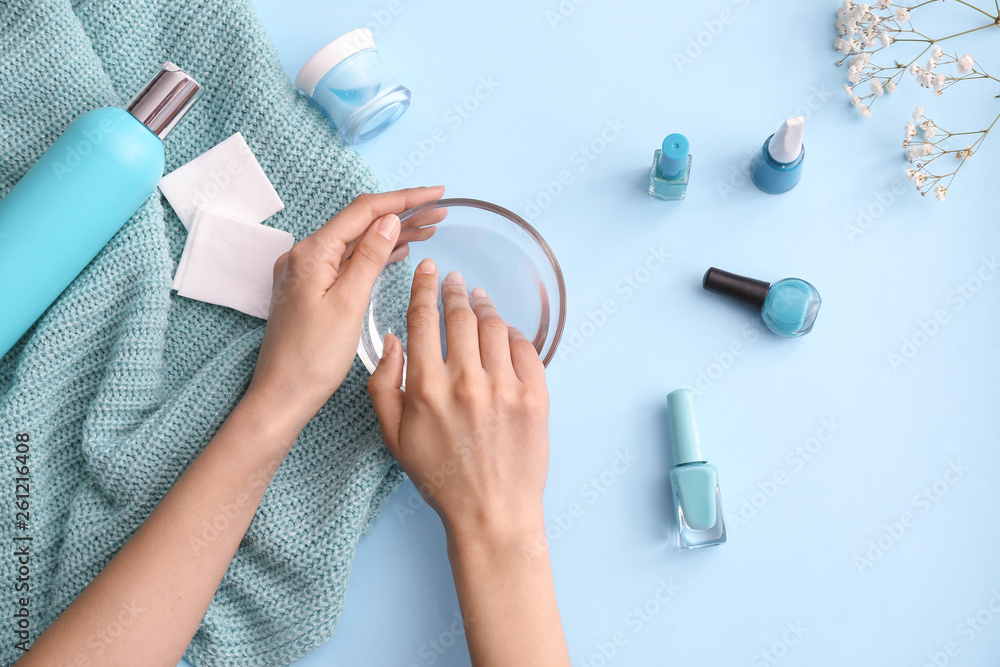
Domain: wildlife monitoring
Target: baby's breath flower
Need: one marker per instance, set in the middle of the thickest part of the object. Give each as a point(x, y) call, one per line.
point(866, 30)
point(919, 177)
point(914, 153)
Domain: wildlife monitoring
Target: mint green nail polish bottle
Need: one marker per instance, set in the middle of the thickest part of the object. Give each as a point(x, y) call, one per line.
point(695, 482)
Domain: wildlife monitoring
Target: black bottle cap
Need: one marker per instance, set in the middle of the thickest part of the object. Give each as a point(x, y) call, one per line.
point(749, 291)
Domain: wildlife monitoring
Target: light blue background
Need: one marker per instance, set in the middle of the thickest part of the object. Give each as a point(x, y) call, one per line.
point(895, 430)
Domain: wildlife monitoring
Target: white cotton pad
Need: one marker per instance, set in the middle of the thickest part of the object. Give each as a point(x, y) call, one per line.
point(227, 179)
point(230, 262)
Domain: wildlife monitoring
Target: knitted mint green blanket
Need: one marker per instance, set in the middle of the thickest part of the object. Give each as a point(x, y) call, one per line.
point(122, 382)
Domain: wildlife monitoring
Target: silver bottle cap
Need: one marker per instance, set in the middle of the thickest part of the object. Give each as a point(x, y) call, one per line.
point(165, 99)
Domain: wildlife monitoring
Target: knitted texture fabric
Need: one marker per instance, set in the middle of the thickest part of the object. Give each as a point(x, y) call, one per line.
point(121, 383)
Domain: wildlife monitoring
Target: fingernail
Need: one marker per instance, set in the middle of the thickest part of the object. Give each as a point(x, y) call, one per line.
point(386, 345)
point(478, 293)
point(426, 266)
point(453, 278)
point(387, 226)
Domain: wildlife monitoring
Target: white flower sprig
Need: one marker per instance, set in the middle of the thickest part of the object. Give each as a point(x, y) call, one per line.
point(921, 150)
point(866, 30)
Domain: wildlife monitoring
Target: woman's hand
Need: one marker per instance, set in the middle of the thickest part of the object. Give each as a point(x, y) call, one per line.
point(321, 291)
point(472, 430)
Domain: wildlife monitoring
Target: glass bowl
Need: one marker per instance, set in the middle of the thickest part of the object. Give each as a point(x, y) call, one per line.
point(492, 248)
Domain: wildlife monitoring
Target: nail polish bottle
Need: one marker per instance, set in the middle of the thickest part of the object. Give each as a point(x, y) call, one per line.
point(777, 167)
point(671, 168)
point(788, 307)
point(694, 481)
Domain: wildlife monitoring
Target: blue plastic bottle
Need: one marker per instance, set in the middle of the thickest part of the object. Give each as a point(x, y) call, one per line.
point(79, 194)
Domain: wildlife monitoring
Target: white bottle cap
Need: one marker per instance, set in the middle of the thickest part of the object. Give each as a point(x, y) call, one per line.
point(786, 144)
point(332, 55)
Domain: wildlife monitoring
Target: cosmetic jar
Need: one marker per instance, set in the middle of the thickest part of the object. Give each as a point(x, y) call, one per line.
point(351, 84)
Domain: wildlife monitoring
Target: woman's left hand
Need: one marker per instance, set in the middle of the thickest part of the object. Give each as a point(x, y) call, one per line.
point(320, 295)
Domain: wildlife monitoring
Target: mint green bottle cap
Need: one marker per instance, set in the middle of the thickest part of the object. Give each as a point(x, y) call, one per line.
point(683, 428)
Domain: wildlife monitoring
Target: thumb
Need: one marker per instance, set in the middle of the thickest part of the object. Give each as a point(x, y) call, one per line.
point(387, 397)
point(368, 259)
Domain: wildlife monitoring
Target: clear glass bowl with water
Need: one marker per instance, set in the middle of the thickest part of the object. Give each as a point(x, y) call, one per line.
point(492, 248)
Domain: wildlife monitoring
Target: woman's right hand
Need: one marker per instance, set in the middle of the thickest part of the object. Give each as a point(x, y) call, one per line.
point(470, 430)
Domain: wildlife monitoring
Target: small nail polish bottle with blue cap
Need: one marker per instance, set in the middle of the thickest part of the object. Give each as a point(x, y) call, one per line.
point(695, 481)
point(671, 168)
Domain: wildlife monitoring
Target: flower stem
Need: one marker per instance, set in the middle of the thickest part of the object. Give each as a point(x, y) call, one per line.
point(962, 2)
point(966, 32)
